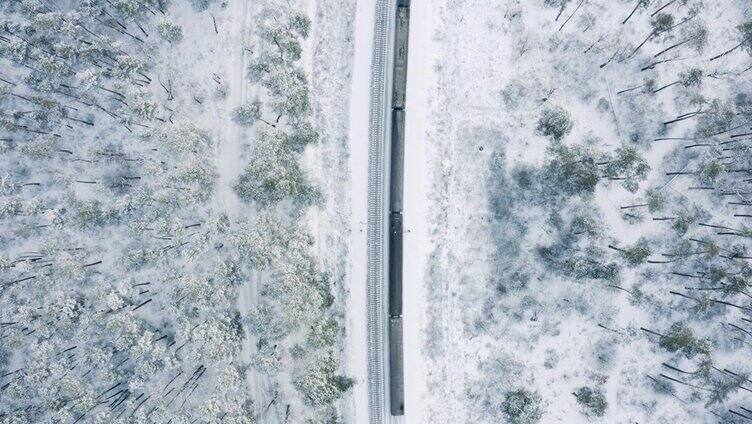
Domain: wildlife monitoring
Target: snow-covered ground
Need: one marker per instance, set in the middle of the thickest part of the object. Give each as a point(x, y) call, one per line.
point(577, 191)
point(224, 54)
point(334, 72)
point(174, 277)
point(417, 243)
point(522, 314)
point(358, 136)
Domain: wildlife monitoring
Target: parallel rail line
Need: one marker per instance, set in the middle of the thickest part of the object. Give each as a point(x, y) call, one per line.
point(384, 315)
point(375, 273)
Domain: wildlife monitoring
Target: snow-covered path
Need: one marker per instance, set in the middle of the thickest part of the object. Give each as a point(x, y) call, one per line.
point(230, 138)
point(219, 61)
point(229, 135)
point(230, 164)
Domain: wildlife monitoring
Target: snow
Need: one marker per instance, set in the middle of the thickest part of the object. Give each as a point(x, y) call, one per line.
point(232, 137)
point(235, 33)
point(177, 222)
point(416, 239)
point(489, 304)
point(492, 68)
point(331, 52)
point(358, 138)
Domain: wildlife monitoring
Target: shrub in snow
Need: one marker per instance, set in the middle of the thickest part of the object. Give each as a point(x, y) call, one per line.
point(247, 114)
point(512, 280)
point(627, 166)
point(589, 265)
point(526, 177)
point(555, 123)
point(592, 400)
point(680, 338)
point(274, 173)
point(570, 171)
point(663, 386)
point(183, 137)
point(319, 384)
point(289, 89)
point(604, 351)
point(200, 5)
point(523, 407)
point(302, 135)
point(170, 31)
point(724, 386)
point(636, 254)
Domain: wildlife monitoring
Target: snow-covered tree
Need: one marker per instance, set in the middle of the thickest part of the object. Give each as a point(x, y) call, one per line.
point(555, 123)
point(170, 31)
point(592, 400)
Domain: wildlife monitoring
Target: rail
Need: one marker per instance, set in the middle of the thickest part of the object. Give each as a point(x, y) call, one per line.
point(375, 273)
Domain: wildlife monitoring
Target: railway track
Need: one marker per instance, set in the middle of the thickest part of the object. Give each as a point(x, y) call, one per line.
point(384, 294)
point(377, 398)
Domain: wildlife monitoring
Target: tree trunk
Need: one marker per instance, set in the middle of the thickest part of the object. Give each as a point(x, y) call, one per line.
point(726, 52)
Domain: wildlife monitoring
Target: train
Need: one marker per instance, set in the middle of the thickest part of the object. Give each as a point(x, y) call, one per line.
point(396, 203)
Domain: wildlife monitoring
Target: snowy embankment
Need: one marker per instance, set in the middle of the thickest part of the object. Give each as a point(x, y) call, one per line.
point(417, 243)
point(330, 61)
point(359, 94)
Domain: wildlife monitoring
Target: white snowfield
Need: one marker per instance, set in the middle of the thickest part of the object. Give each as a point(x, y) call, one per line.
point(417, 242)
point(562, 274)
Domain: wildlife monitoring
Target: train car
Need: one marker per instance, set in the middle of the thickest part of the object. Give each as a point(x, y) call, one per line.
point(400, 56)
point(395, 264)
point(396, 365)
point(396, 188)
point(397, 163)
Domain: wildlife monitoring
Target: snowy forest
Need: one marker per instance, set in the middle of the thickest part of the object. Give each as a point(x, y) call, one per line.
point(590, 212)
point(187, 233)
point(142, 278)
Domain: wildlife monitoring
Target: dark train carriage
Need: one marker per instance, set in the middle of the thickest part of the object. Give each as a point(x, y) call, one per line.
point(400, 57)
point(396, 187)
point(397, 165)
point(395, 264)
point(396, 372)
